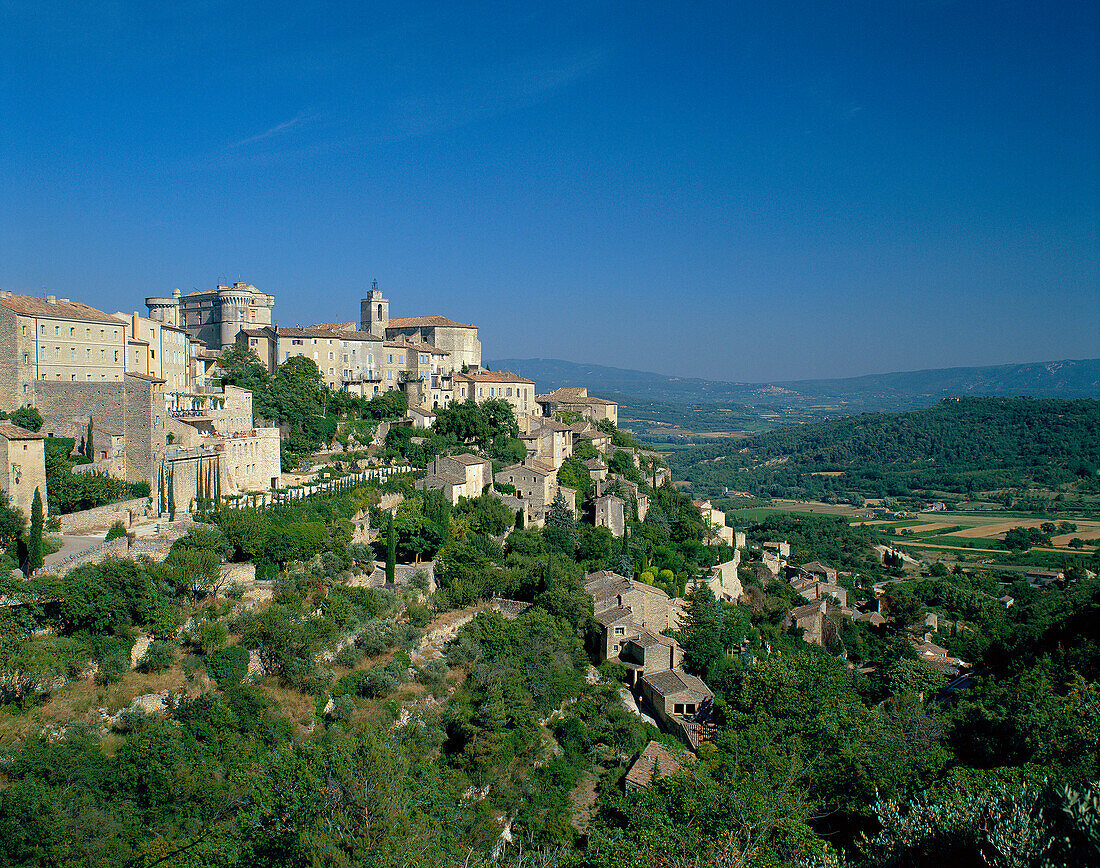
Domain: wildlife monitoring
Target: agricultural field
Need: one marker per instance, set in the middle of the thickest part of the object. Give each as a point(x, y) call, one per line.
point(961, 531)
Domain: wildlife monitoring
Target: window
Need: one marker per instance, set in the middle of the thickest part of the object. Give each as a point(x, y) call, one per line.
point(330, 372)
point(389, 375)
point(57, 352)
point(87, 354)
point(389, 359)
point(509, 391)
point(72, 354)
point(72, 331)
point(620, 631)
point(400, 358)
point(26, 358)
point(57, 330)
point(116, 355)
point(330, 357)
point(24, 330)
point(43, 330)
point(678, 708)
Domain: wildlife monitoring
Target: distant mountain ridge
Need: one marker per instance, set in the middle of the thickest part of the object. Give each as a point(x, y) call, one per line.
point(904, 390)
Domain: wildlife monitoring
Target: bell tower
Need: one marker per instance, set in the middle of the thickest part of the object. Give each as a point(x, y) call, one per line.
point(374, 312)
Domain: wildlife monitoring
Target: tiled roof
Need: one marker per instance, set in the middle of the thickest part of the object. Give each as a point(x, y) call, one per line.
point(30, 305)
point(493, 377)
point(336, 326)
point(314, 332)
point(405, 322)
point(673, 681)
point(539, 467)
point(566, 393)
point(610, 616)
point(655, 762)
point(146, 377)
point(14, 432)
point(468, 459)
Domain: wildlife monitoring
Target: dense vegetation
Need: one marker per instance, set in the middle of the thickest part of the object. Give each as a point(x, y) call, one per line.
point(960, 446)
point(70, 492)
point(321, 729)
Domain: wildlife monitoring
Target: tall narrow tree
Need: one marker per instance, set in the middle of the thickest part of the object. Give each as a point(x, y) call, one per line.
point(89, 448)
point(391, 551)
point(34, 544)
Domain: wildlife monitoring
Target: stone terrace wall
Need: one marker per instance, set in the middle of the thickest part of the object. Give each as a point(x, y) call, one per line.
point(103, 516)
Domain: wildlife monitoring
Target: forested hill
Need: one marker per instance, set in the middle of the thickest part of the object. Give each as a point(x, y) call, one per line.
point(959, 445)
point(894, 391)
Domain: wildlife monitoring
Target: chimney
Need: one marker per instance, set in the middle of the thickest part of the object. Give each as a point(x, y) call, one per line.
point(51, 299)
point(62, 301)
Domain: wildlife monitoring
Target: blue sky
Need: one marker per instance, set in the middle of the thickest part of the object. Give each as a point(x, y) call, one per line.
point(746, 191)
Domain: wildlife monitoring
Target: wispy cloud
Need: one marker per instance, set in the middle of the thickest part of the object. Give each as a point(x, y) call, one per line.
point(273, 131)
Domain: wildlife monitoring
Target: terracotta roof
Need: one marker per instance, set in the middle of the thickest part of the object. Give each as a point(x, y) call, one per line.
point(645, 638)
point(405, 322)
point(655, 762)
point(595, 464)
point(14, 432)
point(30, 305)
point(420, 412)
point(673, 681)
point(336, 326)
point(493, 377)
point(146, 377)
point(314, 332)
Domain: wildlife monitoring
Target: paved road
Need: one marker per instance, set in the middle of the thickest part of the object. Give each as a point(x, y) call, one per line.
point(72, 544)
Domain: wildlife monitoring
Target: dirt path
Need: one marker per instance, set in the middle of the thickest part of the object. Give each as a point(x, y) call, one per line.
point(583, 801)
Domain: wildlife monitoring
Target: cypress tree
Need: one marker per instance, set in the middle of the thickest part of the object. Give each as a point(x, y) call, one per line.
point(171, 495)
point(89, 449)
point(34, 544)
point(391, 551)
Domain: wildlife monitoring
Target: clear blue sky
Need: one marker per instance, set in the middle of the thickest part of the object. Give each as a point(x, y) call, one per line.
point(738, 190)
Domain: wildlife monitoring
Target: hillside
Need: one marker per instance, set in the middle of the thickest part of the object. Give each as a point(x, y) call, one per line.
point(964, 446)
point(908, 390)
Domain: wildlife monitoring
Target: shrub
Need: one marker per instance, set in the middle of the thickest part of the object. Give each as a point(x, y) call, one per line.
point(158, 657)
point(117, 529)
point(418, 614)
point(344, 708)
point(112, 667)
point(432, 673)
point(235, 591)
point(228, 666)
point(347, 656)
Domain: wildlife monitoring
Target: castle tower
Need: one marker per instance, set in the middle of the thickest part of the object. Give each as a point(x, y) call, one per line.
point(374, 312)
point(165, 310)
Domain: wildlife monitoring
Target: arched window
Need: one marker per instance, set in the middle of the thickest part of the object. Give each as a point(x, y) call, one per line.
point(380, 313)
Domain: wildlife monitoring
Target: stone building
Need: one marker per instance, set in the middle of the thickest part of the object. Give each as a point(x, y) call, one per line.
point(682, 704)
point(518, 391)
point(346, 360)
point(547, 440)
point(214, 316)
point(458, 340)
point(56, 340)
point(575, 399)
point(610, 514)
point(647, 652)
point(24, 467)
point(536, 483)
point(724, 581)
point(458, 476)
point(159, 350)
point(133, 405)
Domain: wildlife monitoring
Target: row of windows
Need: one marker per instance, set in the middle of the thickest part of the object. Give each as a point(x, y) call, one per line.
point(72, 355)
point(499, 392)
point(72, 332)
point(72, 378)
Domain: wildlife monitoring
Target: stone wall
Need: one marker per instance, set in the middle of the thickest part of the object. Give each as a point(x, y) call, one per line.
point(11, 392)
point(103, 516)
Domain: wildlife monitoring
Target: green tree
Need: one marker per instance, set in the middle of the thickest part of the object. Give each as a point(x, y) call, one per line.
point(27, 417)
point(35, 545)
point(89, 447)
point(701, 634)
point(391, 550)
point(561, 527)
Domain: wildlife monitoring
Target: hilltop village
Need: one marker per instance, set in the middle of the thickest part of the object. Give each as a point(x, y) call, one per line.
point(339, 594)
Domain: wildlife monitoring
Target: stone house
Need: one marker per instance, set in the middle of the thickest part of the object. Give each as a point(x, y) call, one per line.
point(817, 570)
point(458, 476)
point(648, 652)
point(575, 399)
point(596, 469)
point(811, 618)
point(724, 581)
point(677, 698)
point(535, 483)
point(518, 391)
point(609, 514)
point(547, 440)
point(24, 469)
point(814, 589)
